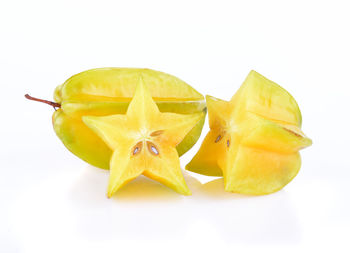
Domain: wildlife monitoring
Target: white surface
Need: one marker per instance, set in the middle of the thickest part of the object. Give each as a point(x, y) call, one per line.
point(53, 202)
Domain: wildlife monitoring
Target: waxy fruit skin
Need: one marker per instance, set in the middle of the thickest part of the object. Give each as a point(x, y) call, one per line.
point(254, 139)
point(108, 91)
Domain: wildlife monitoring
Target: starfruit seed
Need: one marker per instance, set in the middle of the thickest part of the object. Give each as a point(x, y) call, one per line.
point(156, 133)
point(137, 148)
point(152, 148)
point(218, 139)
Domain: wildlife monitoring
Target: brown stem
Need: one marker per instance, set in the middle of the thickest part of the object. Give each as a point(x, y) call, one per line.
point(53, 104)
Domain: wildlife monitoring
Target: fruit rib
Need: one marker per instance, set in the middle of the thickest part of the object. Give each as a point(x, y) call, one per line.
point(80, 140)
point(267, 99)
point(118, 84)
point(258, 172)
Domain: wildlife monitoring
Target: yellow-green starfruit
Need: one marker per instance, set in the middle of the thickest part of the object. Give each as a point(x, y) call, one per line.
point(254, 139)
point(108, 91)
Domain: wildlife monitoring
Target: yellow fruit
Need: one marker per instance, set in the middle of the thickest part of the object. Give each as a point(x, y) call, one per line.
point(254, 139)
point(107, 91)
point(144, 142)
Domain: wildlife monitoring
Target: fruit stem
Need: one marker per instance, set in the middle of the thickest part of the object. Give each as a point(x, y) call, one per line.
point(53, 104)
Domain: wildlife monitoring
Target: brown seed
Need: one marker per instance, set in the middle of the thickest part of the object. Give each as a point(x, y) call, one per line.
point(218, 138)
point(156, 133)
point(152, 148)
point(137, 148)
point(228, 143)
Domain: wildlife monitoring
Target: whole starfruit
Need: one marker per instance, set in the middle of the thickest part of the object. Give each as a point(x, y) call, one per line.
point(108, 91)
point(254, 139)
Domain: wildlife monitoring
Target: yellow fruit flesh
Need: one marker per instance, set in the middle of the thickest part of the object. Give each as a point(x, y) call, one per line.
point(143, 141)
point(107, 91)
point(254, 138)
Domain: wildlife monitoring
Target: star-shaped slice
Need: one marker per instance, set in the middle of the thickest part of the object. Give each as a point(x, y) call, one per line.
point(144, 142)
point(254, 138)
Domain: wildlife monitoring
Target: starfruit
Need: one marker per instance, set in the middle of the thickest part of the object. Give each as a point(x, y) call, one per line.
point(108, 91)
point(144, 141)
point(254, 139)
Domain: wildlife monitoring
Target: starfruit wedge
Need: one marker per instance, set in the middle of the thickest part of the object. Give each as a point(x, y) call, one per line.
point(107, 91)
point(144, 141)
point(254, 139)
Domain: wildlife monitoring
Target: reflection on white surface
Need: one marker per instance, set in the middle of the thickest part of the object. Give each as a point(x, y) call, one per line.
point(75, 205)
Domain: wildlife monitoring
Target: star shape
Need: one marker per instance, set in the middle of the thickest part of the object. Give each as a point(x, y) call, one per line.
point(144, 141)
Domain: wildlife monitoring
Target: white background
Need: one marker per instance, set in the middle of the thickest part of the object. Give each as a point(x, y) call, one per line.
point(51, 201)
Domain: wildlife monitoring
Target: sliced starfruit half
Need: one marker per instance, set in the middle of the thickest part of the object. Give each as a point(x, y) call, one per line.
point(143, 141)
point(254, 139)
point(108, 91)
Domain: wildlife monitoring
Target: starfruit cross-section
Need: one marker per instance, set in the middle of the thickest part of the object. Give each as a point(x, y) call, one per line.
point(143, 141)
